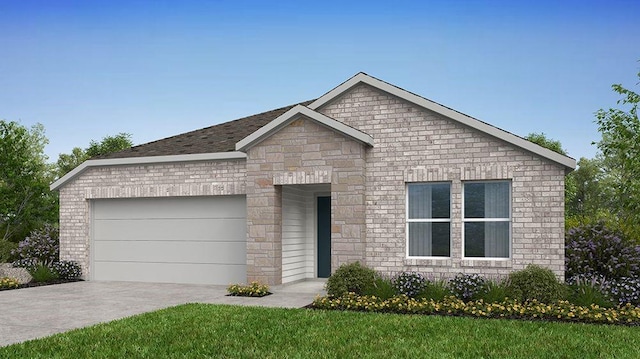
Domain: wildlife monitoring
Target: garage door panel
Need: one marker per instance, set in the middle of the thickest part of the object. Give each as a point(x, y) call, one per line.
point(173, 240)
point(171, 252)
point(170, 273)
point(195, 207)
point(173, 229)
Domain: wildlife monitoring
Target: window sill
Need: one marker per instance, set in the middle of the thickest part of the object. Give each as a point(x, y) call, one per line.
point(428, 262)
point(490, 263)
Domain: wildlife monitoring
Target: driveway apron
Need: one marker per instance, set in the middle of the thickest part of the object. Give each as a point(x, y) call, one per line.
point(37, 312)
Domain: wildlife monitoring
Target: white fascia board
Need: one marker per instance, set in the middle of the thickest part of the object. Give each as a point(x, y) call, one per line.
point(361, 77)
point(145, 160)
point(296, 111)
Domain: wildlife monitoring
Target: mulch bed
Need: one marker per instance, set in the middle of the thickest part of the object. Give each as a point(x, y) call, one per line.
point(248, 296)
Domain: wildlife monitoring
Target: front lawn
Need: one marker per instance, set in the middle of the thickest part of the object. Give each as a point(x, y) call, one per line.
point(205, 330)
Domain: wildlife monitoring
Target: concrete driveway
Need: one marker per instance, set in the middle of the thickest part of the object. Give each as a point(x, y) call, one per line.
point(32, 313)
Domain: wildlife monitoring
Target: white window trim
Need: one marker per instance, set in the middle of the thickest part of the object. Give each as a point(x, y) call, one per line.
point(426, 220)
point(509, 220)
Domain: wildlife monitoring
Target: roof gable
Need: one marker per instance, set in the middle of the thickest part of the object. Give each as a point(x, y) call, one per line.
point(362, 78)
point(294, 113)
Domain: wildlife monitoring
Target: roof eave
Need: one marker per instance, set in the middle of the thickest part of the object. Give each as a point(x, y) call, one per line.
point(144, 161)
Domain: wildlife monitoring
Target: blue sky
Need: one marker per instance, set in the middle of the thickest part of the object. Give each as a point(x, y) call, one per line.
point(88, 69)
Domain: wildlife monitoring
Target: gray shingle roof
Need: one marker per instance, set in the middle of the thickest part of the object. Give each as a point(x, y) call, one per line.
point(217, 138)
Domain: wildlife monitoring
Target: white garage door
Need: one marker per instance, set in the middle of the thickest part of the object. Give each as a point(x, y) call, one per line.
point(174, 240)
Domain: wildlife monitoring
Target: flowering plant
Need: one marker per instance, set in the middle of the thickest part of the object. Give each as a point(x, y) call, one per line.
point(41, 246)
point(467, 286)
point(530, 310)
point(596, 250)
point(67, 269)
point(8, 283)
point(409, 283)
point(255, 289)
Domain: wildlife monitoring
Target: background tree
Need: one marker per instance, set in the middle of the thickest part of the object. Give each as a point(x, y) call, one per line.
point(542, 140)
point(67, 162)
point(25, 175)
point(590, 197)
point(620, 146)
point(109, 144)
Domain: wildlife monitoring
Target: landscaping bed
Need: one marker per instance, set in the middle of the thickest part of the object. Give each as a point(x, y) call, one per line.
point(36, 262)
point(40, 284)
point(533, 293)
point(559, 311)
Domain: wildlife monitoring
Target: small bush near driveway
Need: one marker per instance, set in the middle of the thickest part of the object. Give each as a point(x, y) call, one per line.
point(255, 289)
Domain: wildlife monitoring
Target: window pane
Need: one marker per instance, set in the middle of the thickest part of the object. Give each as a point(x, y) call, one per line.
point(474, 200)
point(440, 234)
point(486, 239)
point(486, 200)
point(429, 239)
point(440, 200)
point(429, 201)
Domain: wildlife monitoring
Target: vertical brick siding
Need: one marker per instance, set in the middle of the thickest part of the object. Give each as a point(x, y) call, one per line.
point(414, 145)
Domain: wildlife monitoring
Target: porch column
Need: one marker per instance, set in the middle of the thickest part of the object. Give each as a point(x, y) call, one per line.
point(264, 232)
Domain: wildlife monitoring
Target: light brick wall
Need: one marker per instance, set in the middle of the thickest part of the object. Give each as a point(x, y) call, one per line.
point(368, 188)
point(413, 145)
point(208, 178)
point(303, 152)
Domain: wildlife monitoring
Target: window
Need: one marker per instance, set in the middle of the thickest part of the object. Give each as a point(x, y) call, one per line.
point(487, 219)
point(429, 219)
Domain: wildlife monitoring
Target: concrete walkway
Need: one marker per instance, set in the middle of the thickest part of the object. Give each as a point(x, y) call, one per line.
point(32, 313)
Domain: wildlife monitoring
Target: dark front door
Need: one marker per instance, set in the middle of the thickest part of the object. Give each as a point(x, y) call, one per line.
point(324, 237)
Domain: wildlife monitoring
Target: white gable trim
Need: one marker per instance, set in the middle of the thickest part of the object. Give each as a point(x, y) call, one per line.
point(145, 160)
point(361, 77)
point(294, 113)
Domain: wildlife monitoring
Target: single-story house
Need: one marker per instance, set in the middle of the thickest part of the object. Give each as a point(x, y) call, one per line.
point(367, 172)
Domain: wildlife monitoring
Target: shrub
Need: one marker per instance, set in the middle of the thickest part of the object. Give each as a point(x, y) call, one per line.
point(30, 264)
point(584, 291)
point(67, 269)
point(9, 283)
point(467, 286)
point(6, 249)
point(435, 290)
point(624, 290)
point(255, 289)
point(350, 278)
point(496, 291)
point(381, 287)
point(593, 250)
point(41, 245)
point(535, 282)
point(409, 283)
point(42, 274)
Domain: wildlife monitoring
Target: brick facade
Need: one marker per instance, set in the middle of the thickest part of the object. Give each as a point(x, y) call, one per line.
point(304, 152)
point(415, 145)
point(368, 188)
point(160, 180)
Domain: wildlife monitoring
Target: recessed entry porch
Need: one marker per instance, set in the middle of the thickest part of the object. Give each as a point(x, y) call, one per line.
point(306, 232)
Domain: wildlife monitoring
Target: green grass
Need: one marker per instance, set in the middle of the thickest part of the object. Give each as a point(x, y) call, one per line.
point(218, 331)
